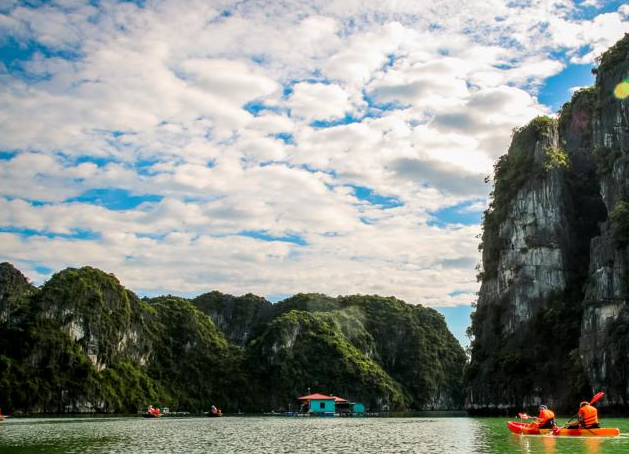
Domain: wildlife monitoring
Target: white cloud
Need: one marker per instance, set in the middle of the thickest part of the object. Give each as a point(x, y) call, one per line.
point(318, 101)
point(208, 106)
point(594, 35)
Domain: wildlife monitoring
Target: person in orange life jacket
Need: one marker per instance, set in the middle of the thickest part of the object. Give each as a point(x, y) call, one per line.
point(588, 417)
point(546, 418)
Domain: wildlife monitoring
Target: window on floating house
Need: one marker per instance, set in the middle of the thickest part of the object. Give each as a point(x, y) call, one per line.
point(321, 404)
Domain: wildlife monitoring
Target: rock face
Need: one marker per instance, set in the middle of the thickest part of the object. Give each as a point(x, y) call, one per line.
point(301, 350)
point(84, 343)
point(14, 291)
point(411, 344)
point(552, 318)
point(235, 316)
point(604, 342)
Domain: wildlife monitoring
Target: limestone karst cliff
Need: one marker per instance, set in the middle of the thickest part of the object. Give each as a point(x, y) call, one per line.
point(552, 320)
point(83, 343)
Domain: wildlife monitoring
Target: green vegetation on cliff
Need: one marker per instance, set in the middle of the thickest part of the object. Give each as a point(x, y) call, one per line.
point(301, 350)
point(236, 317)
point(614, 55)
point(551, 319)
point(14, 292)
point(620, 223)
point(411, 343)
point(82, 342)
point(511, 172)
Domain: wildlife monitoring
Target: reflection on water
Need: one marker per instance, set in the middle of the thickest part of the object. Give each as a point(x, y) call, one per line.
point(289, 435)
point(593, 445)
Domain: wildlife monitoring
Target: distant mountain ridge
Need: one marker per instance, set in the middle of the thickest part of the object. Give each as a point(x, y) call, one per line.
point(82, 342)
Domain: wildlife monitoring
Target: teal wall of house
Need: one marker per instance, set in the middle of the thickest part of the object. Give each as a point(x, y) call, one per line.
point(322, 406)
point(357, 407)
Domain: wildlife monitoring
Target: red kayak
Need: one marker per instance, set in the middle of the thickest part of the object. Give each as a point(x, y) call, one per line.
point(526, 429)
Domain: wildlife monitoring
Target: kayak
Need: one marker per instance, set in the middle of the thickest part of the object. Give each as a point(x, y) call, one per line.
point(525, 429)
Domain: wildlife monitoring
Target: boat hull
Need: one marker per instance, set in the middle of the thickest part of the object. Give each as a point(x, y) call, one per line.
point(526, 429)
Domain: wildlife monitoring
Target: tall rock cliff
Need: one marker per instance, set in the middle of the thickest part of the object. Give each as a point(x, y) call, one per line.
point(551, 320)
point(604, 342)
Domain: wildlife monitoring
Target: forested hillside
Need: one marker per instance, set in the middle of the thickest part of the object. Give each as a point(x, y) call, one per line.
point(82, 342)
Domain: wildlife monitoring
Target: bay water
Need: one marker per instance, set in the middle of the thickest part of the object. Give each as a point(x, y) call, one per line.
point(291, 435)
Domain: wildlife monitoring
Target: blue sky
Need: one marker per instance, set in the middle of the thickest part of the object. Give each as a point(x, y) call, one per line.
point(458, 320)
point(274, 148)
point(558, 89)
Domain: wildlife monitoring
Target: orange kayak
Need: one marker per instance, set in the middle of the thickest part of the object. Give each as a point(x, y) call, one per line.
point(526, 429)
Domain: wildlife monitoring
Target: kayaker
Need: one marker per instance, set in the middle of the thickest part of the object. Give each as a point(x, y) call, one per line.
point(587, 416)
point(546, 418)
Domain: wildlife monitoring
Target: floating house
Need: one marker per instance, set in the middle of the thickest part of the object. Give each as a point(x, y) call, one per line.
point(324, 405)
point(358, 408)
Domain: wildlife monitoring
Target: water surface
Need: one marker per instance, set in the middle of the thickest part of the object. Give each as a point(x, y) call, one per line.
point(291, 435)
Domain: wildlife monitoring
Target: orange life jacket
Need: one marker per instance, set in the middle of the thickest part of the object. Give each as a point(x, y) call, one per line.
point(545, 416)
point(588, 415)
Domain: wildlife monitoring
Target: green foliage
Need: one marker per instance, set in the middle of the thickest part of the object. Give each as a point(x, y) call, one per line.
point(301, 350)
point(84, 343)
point(125, 388)
point(604, 158)
point(14, 291)
point(95, 303)
point(619, 218)
point(44, 369)
point(532, 360)
point(555, 158)
point(411, 343)
point(614, 55)
point(518, 166)
point(585, 98)
point(236, 317)
point(191, 358)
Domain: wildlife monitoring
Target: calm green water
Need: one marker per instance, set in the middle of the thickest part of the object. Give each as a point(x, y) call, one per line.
point(290, 435)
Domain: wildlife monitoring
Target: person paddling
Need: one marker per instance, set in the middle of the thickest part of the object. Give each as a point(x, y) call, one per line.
point(587, 416)
point(546, 418)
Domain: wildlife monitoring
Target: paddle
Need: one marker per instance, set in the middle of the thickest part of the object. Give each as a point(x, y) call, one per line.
point(596, 397)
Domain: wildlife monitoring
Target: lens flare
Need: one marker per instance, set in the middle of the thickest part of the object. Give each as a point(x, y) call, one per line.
point(622, 89)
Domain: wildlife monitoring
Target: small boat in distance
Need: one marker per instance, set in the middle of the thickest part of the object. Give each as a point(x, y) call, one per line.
point(152, 412)
point(214, 412)
point(526, 429)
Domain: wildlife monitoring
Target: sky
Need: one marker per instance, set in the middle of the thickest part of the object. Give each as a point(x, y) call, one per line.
point(268, 147)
